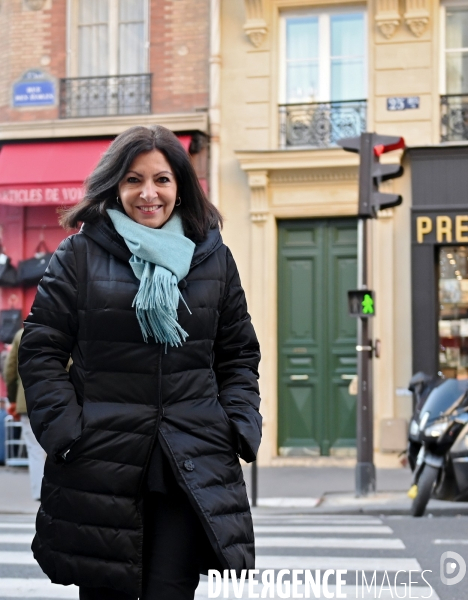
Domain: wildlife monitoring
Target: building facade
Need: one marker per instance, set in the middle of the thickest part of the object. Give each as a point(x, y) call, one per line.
point(297, 75)
point(75, 73)
point(260, 91)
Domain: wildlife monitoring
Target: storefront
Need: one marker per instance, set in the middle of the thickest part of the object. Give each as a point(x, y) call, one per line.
point(36, 180)
point(439, 236)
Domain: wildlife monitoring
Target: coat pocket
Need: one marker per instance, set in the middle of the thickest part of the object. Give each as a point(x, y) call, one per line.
point(231, 432)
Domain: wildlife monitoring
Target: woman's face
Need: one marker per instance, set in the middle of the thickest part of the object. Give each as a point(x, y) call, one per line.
point(148, 190)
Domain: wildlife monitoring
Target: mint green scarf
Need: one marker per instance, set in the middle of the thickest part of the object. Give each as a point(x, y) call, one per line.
point(160, 259)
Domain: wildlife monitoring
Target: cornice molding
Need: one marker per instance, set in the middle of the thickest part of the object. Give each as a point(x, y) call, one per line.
point(417, 16)
point(98, 126)
point(255, 26)
point(387, 17)
point(271, 169)
point(326, 175)
point(295, 160)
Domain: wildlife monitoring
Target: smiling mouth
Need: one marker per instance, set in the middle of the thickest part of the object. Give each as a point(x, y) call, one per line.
point(149, 209)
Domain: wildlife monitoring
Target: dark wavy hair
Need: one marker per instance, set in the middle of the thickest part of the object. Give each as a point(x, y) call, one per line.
point(101, 187)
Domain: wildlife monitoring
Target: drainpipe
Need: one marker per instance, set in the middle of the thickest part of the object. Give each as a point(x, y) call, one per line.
point(214, 110)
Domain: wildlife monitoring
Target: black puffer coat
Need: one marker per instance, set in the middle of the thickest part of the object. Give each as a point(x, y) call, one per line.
point(203, 397)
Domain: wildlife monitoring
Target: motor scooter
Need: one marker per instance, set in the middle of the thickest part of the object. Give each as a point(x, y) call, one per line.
point(438, 444)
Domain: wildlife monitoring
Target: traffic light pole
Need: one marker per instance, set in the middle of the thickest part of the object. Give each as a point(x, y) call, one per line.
point(370, 147)
point(365, 469)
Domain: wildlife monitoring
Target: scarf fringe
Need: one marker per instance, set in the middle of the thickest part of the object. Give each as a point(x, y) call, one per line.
point(156, 306)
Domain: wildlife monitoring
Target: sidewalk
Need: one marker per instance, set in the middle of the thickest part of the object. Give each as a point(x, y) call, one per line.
point(328, 490)
point(312, 489)
point(15, 493)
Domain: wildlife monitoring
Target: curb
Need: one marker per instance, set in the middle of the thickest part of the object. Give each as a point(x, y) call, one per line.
point(381, 504)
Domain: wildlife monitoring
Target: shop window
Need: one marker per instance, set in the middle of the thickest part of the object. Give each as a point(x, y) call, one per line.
point(107, 37)
point(324, 56)
point(453, 311)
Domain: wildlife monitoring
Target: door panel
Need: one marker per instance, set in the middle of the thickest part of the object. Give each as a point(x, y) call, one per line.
point(300, 273)
point(301, 277)
point(317, 339)
point(342, 331)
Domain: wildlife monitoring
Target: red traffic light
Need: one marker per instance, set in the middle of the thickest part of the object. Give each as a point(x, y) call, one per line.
point(371, 146)
point(387, 143)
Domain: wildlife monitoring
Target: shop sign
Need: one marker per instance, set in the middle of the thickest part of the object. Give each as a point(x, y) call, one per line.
point(448, 228)
point(41, 195)
point(35, 88)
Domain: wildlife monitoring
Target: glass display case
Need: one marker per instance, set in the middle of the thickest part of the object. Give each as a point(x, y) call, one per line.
point(453, 311)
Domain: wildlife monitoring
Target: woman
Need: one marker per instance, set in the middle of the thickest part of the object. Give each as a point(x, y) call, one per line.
point(142, 487)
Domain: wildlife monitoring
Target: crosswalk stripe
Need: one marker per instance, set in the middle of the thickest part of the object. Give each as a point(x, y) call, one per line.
point(349, 591)
point(16, 538)
point(323, 529)
point(17, 558)
point(35, 588)
point(288, 502)
point(329, 542)
point(351, 563)
point(335, 520)
point(6, 525)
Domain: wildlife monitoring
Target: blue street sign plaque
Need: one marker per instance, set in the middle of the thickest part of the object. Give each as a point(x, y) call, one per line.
point(33, 89)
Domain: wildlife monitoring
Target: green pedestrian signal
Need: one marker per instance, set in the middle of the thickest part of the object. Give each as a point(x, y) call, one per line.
point(367, 305)
point(361, 303)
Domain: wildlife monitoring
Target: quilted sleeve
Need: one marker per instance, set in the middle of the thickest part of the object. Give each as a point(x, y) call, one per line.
point(49, 335)
point(237, 355)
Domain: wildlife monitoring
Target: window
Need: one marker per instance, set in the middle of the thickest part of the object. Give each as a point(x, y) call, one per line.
point(324, 56)
point(455, 32)
point(107, 37)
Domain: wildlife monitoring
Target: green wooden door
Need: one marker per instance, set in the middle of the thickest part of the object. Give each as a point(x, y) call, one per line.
point(317, 265)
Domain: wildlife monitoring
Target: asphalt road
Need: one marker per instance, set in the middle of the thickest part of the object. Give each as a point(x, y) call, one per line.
point(426, 539)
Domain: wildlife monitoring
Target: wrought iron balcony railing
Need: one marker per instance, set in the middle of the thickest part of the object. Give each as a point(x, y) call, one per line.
point(454, 118)
point(105, 96)
point(320, 124)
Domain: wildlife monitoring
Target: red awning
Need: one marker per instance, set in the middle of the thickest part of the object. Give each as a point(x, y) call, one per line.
point(50, 173)
point(185, 141)
point(47, 173)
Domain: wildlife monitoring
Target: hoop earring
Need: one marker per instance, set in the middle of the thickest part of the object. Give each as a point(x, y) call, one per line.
point(117, 199)
point(180, 201)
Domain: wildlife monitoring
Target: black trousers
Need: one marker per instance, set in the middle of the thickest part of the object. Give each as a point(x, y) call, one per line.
point(175, 546)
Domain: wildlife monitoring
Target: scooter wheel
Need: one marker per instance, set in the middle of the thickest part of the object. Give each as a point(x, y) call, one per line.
point(426, 484)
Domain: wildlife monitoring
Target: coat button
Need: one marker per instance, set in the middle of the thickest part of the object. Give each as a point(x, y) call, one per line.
point(188, 465)
point(182, 284)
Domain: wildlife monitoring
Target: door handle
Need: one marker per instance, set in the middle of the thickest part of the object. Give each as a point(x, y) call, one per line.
point(299, 377)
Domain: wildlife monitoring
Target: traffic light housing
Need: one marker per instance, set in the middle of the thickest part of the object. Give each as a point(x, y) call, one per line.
point(370, 147)
point(361, 303)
